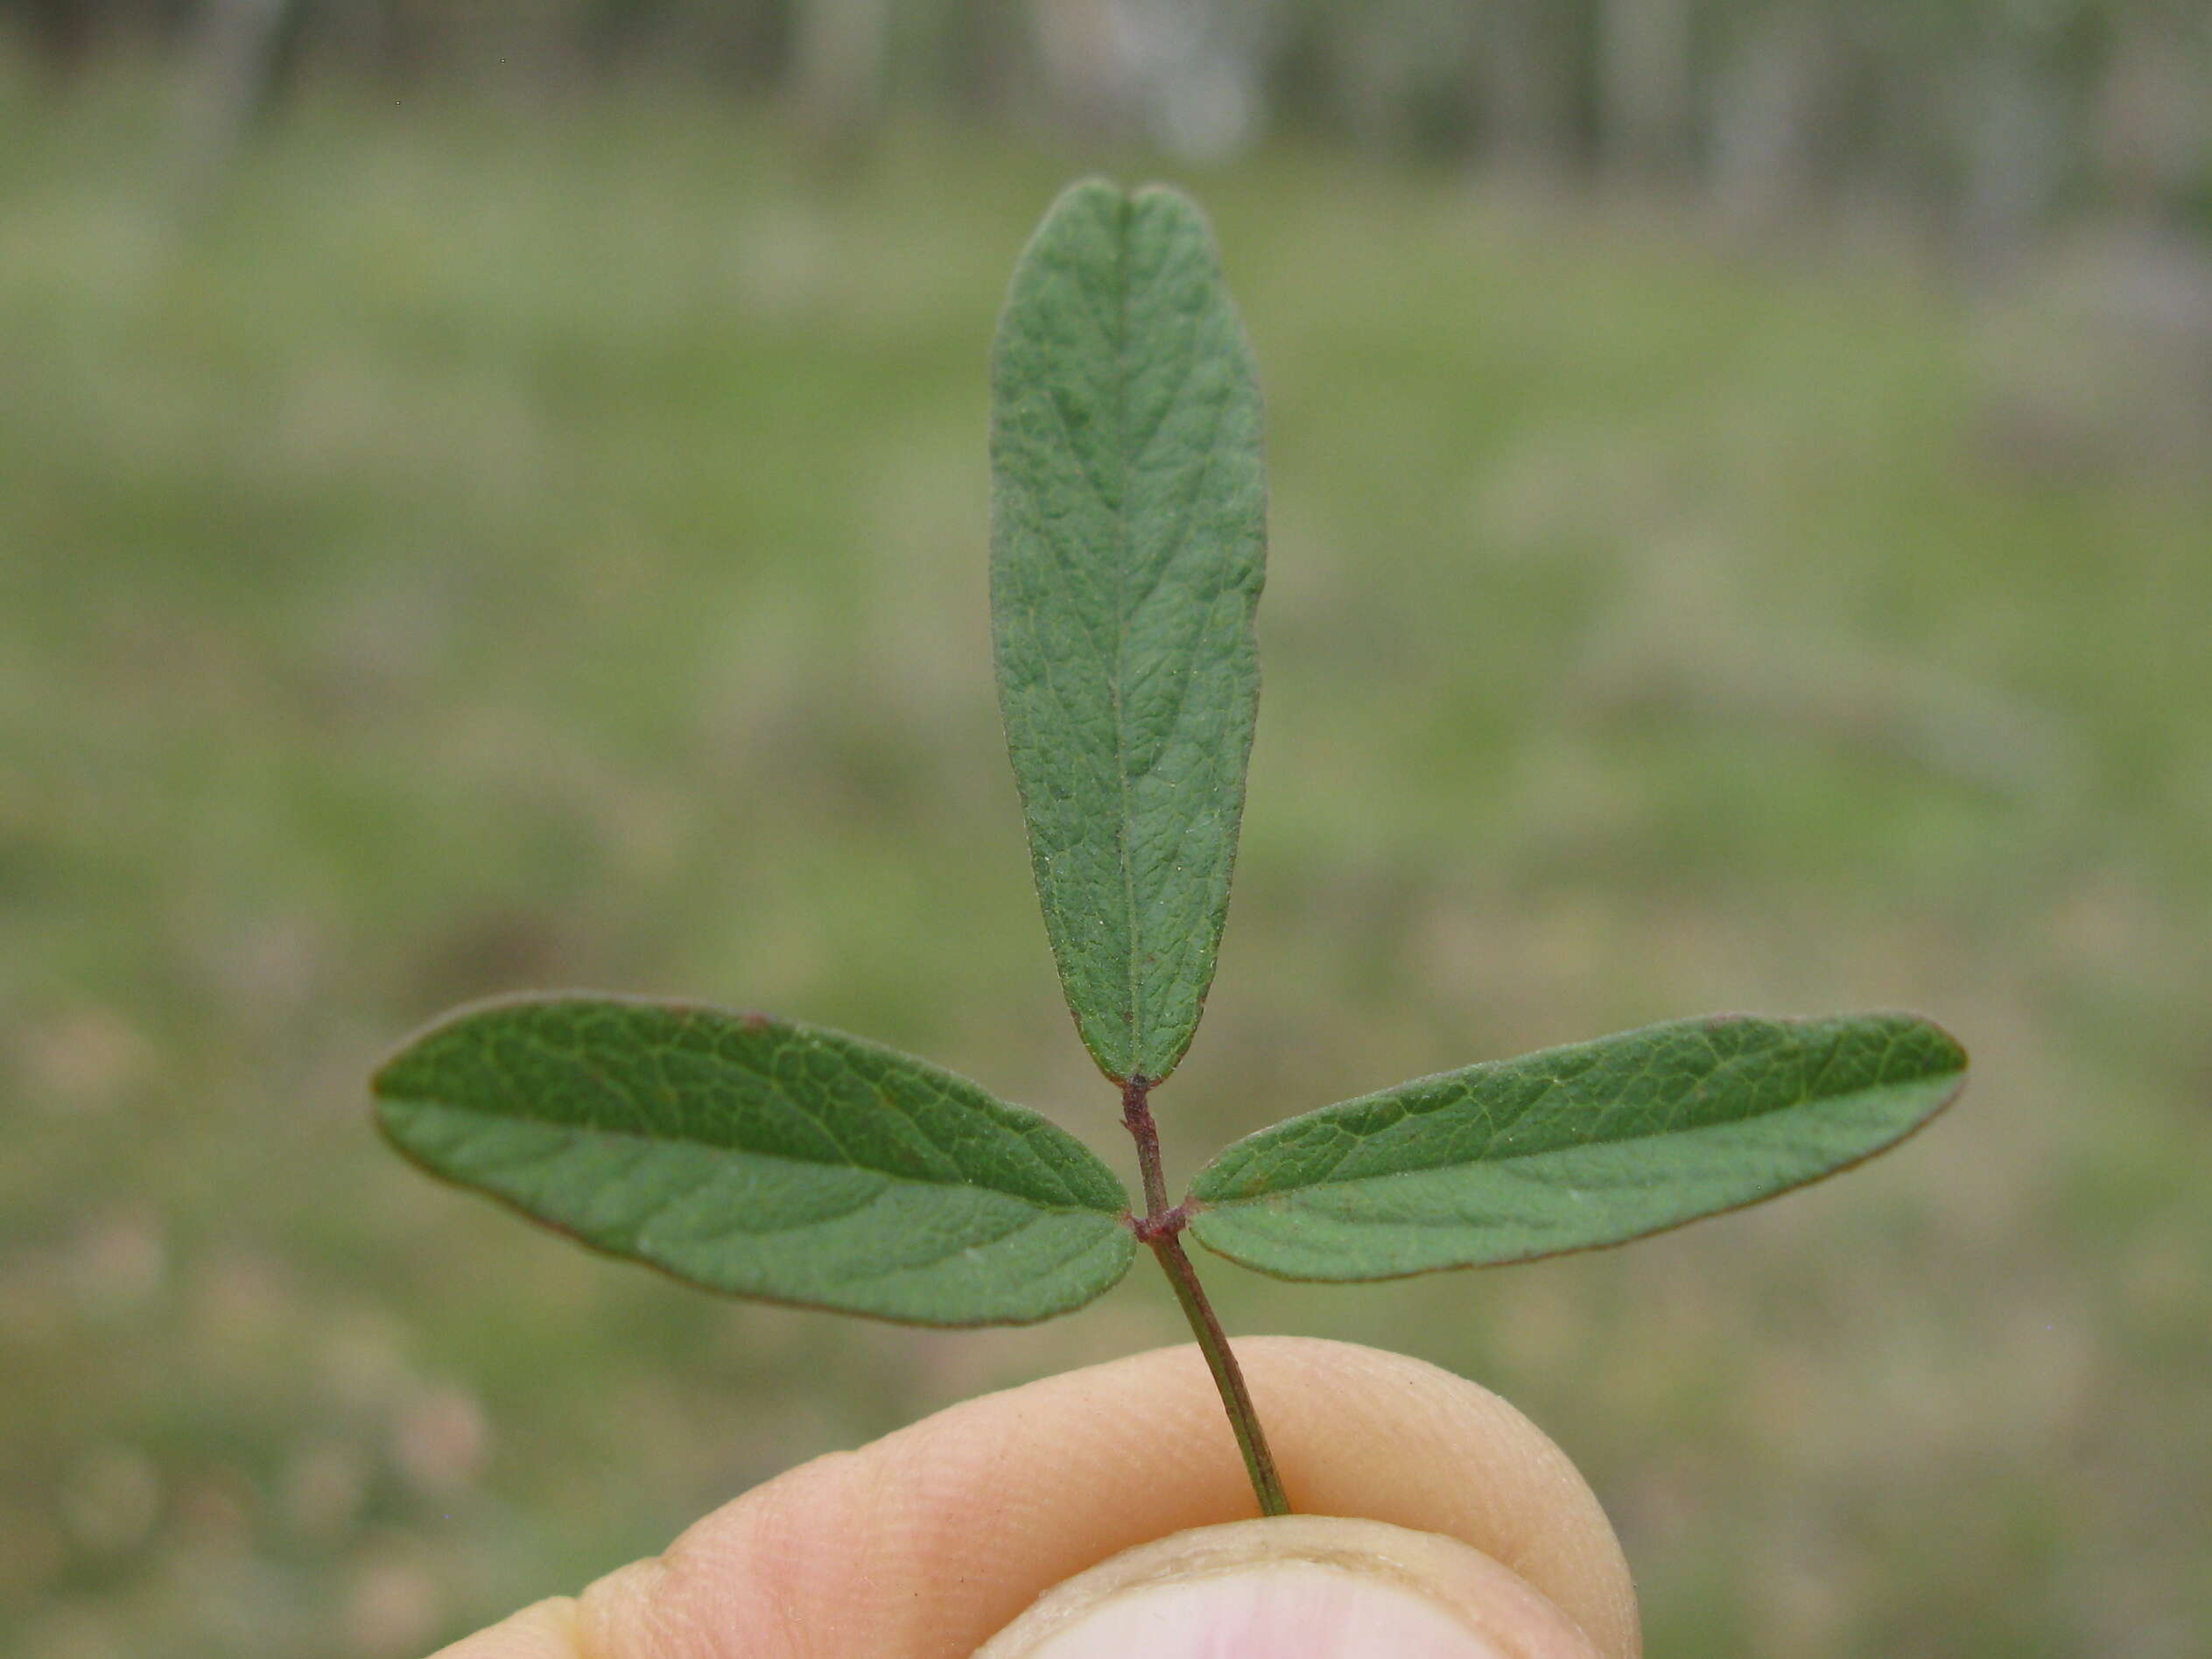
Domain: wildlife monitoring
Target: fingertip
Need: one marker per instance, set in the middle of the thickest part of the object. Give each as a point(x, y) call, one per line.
point(543, 1630)
point(1365, 1432)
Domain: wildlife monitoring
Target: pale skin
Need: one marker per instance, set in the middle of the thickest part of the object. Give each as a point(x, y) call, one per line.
point(929, 1544)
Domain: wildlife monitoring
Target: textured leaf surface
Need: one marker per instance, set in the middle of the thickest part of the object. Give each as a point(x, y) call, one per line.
point(1129, 532)
point(762, 1158)
point(1591, 1144)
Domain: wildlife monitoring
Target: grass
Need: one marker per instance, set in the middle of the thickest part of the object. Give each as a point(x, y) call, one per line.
point(503, 547)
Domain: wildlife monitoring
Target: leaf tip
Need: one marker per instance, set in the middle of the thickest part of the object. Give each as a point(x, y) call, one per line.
point(1156, 196)
point(1953, 1050)
point(1094, 195)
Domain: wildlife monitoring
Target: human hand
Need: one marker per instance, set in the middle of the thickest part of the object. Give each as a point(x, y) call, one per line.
point(1436, 1522)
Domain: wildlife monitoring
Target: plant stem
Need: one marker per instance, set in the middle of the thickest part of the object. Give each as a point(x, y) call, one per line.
point(1136, 1117)
point(1228, 1376)
point(1160, 1228)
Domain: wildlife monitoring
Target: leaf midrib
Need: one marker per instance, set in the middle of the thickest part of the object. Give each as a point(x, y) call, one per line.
point(1124, 211)
point(1506, 1160)
point(656, 1140)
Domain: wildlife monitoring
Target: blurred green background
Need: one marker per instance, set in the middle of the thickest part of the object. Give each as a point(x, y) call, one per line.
point(472, 520)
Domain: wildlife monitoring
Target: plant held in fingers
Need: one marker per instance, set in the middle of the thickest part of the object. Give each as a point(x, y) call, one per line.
point(768, 1158)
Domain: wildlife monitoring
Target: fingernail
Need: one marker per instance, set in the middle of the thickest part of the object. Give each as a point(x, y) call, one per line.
point(1300, 1587)
point(1290, 1610)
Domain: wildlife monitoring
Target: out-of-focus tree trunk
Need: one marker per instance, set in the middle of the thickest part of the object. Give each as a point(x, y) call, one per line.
point(2154, 111)
point(2014, 137)
point(1399, 79)
point(986, 52)
point(1527, 79)
point(225, 85)
point(2153, 143)
point(62, 32)
point(1644, 85)
point(838, 65)
point(1771, 101)
point(1087, 73)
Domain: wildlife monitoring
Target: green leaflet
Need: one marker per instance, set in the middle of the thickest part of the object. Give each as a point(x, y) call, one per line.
point(1128, 533)
point(762, 1158)
point(1590, 1144)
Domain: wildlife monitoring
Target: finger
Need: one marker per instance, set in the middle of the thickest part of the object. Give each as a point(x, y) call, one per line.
point(923, 1544)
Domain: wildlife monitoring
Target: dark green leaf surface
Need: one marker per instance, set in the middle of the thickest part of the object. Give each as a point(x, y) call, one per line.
point(762, 1158)
point(1128, 535)
point(1591, 1144)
